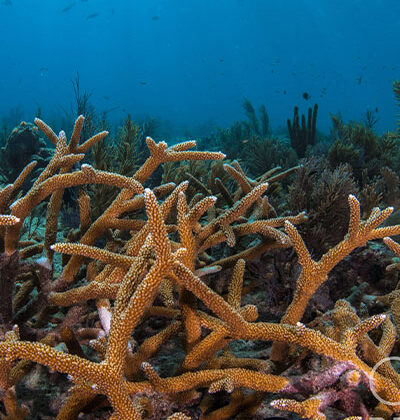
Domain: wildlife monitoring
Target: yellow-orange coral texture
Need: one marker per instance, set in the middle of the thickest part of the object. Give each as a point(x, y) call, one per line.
point(128, 312)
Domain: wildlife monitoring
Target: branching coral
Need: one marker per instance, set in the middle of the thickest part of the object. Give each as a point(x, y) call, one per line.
point(153, 261)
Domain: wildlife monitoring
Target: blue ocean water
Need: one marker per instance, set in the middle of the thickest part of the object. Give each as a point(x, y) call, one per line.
point(192, 62)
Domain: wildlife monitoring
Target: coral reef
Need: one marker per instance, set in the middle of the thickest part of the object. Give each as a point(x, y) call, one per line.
point(22, 145)
point(129, 313)
point(121, 155)
point(363, 149)
point(325, 202)
point(303, 135)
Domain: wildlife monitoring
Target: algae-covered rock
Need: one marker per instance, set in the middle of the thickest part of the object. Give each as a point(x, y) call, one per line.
point(22, 147)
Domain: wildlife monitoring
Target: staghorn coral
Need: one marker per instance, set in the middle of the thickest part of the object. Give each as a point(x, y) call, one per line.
point(159, 270)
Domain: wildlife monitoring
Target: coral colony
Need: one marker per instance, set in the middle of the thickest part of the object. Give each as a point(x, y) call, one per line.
point(201, 293)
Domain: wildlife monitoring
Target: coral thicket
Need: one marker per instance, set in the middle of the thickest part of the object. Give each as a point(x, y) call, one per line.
point(146, 305)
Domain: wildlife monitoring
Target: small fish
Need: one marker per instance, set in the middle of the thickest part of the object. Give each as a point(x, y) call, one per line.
point(245, 141)
point(92, 16)
point(6, 2)
point(143, 82)
point(155, 17)
point(306, 96)
point(285, 92)
point(69, 7)
point(376, 109)
point(44, 69)
point(106, 97)
point(221, 60)
point(359, 80)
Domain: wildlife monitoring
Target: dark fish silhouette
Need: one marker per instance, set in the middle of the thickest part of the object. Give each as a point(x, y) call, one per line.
point(143, 82)
point(359, 80)
point(306, 96)
point(69, 7)
point(6, 2)
point(155, 18)
point(92, 16)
